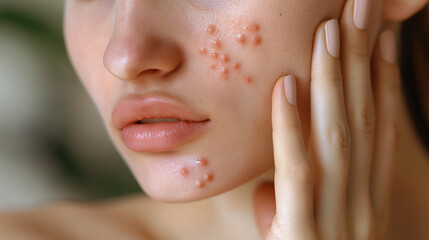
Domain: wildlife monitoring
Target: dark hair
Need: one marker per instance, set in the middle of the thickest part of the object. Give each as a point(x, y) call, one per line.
point(414, 63)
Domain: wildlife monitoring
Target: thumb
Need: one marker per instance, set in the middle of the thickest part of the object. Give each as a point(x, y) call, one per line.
point(264, 206)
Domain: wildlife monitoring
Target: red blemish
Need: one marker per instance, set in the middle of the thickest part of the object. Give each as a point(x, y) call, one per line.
point(211, 29)
point(213, 66)
point(200, 184)
point(241, 38)
point(208, 177)
point(202, 162)
point(214, 55)
point(224, 71)
point(216, 43)
point(203, 50)
point(236, 66)
point(252, 27)
point(224, 58)
point(184, 172)
point(256, 40)
point(247, 79)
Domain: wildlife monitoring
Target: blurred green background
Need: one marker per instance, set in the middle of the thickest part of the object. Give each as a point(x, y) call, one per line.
point(53, 145)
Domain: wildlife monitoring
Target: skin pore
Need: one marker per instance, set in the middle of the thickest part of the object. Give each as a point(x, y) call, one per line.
point(220, 59)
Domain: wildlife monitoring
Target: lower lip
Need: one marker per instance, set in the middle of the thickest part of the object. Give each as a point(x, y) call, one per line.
point(160, 137)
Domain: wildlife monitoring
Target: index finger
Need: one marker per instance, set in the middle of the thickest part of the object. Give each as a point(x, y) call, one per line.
point(293, 173)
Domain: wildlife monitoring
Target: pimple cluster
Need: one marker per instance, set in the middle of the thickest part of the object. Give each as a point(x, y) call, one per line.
point(204, 177)
point(249, 35)
point(220, 61)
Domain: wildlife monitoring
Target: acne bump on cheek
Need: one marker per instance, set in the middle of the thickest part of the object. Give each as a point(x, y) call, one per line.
point(247, 37)
point(200, 175)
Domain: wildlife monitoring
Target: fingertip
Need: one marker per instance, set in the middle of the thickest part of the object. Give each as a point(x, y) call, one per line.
point(361, 14)
point(386, 69)
point(326, 51)
point(289, 83)
point(285, 92)
point(332, 36)
point(285, 113)
point(319, 44)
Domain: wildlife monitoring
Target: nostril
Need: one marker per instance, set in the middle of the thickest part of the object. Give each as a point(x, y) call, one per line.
point(153, 71)
point(149, 72)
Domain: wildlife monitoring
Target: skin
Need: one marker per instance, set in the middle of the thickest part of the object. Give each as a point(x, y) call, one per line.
point(115, 47)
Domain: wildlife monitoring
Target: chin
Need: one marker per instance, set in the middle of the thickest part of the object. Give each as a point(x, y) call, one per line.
point(167, 187)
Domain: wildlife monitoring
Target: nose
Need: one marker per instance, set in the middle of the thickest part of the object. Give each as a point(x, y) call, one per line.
point(139, 45)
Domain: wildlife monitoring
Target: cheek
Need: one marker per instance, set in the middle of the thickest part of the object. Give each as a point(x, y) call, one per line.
point(220, 47)
point(85, 54)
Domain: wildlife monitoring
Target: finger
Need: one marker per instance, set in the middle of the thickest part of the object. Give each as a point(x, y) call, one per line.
point(387, 82)
point(355, 62)
point(330, 140)
point(293, 173)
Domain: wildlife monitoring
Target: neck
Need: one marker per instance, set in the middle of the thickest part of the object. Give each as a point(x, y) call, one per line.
point(234, 209)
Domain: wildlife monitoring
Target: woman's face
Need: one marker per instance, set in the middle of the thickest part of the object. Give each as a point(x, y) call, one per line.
point(216, 58)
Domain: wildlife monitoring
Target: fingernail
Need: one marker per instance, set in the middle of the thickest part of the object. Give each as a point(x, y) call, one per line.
point(332, 32)
point(361, 14)
point(290, 89)
point(388, 46)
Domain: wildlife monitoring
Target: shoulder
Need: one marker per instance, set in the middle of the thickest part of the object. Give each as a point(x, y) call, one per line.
point(69, 221)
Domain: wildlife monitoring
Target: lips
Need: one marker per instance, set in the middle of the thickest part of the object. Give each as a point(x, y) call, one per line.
point(156, 137)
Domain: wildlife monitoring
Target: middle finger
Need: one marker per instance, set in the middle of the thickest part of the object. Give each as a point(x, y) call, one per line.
point(330, 138)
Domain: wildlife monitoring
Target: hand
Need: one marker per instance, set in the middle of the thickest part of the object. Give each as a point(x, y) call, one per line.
point(338, 187)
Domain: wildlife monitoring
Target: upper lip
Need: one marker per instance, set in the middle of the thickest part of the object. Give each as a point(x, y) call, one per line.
point(134, 108)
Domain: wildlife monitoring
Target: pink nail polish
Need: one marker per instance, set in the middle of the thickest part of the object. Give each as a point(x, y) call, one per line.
point(332, 32)
point(361, 14)
point(388, 46)
point(289, 83)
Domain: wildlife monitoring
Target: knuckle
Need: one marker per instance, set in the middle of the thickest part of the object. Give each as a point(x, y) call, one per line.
point(339, 137)
point(334, 75)
point(294, 124)
point(281, 229)
point(278, 231)
point(288, 130)
point(291, 123)
point(364, 118)
point(392, 82)
point(361, 49)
